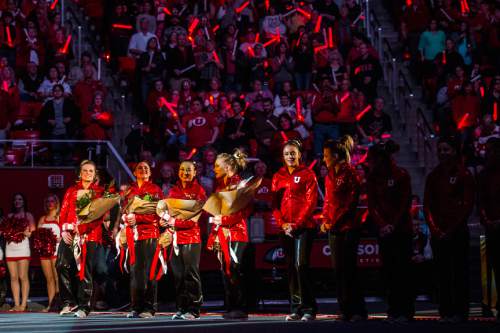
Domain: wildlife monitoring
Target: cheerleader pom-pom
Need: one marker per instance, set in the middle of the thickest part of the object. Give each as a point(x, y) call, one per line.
point(13, 230)
point(43, 242)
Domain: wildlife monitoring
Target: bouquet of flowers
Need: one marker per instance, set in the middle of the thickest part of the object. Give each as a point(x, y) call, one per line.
point(90, 208)
point(142, 205)
point(43, 242)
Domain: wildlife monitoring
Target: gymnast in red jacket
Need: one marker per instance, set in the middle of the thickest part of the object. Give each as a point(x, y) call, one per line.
point(389, 206)
point(90, 235)
point(186, 257)
point(295, 197)
point(142, 238)
point(227, 169)
point(342, 188)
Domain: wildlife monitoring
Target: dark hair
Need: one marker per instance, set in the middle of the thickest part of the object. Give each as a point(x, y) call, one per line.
point(295, 143)
point(342, 147)
point(137, 164)
point(60, 86)
point(453, 141)
point(25, 202)
point(287, 117)
point(383, 150)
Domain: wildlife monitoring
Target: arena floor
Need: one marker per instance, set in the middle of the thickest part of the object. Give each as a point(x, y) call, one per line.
point(212, 322)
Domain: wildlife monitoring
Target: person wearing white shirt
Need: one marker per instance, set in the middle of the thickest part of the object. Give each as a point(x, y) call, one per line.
point(139, 40)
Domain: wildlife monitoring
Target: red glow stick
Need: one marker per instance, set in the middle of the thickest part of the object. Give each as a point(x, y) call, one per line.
point(214, 29)
point(267, 5)
point(299, 39)
point(193, 25)
point(344, 98)
point(408, 3)
point(192, 153)
point(298, 108)
point(216, 57)
point(9, 37)
point(122, 26)
point(386, 136)
point(363, 159)
point(364, 216)
point(275, 39)
point(444, 57)
point(257, 37)
point(317, 26)
point(362, 113)
point(167, 11)
point(330, 38)
point(303, 12)
point(313, 163)
point(53, 4)
point(461, 124)
point(495, 112)
point(242, 7)
point(66, 45)
point(5, 86)
point(481, 91)
point(211, 100)
point(250, 51)
point(320, 48)
point(283, 135)
point(357, 70)
point(465, 6)
point(169, 106)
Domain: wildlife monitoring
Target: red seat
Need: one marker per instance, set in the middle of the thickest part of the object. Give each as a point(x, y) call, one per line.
point(15, 156)
point(26, 135)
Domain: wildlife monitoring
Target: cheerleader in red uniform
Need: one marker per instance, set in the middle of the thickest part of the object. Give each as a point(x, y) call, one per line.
point(448, 203)
point(90, 238)
point(389, 206)
point(51, 221)
point(227, 168)
point(296, 193)
point(342, 188)
point(17, 250)
point(144, 231)
point(186, 258)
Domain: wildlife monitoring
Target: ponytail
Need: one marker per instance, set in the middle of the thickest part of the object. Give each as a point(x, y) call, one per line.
point(236, 161)
point(343, 147)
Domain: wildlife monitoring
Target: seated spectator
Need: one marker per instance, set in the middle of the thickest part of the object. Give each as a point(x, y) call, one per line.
point(29, 83)
point(282, 65)
point(375, 123)
point(324, 113)
point(285, 132)
point(256, 97)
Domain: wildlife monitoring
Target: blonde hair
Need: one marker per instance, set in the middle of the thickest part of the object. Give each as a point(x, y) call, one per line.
point(343, 147)
point(58, 203)
point(85, 162)
point(237, 161)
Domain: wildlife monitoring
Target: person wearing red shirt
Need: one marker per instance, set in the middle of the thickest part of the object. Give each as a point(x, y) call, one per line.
point(84, 92)
point(227, 169)
point(448, 203)
point(142, 235)
point(489, 209)
point(295, 191)
point(90, 235)
point(186, 260)
point(342, 188)
point(200, 127)
point(389, 206)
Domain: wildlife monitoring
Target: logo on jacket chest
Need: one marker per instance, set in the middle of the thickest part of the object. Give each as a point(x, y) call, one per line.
point(296, 180)
point(453, 180)
point(390, 182)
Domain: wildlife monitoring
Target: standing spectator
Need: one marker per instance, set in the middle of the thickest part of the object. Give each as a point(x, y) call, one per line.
point(85, 89)
point(324, 112)
point(98, 121)
point(448, 203)
point(365, 73)
point(139, 41)
point(46, 89)
point(151, 65)
point(237, 129)
point(375, 123)
point(282, 65)
point(303, 59)
point(201, 128)
point(6, 114)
